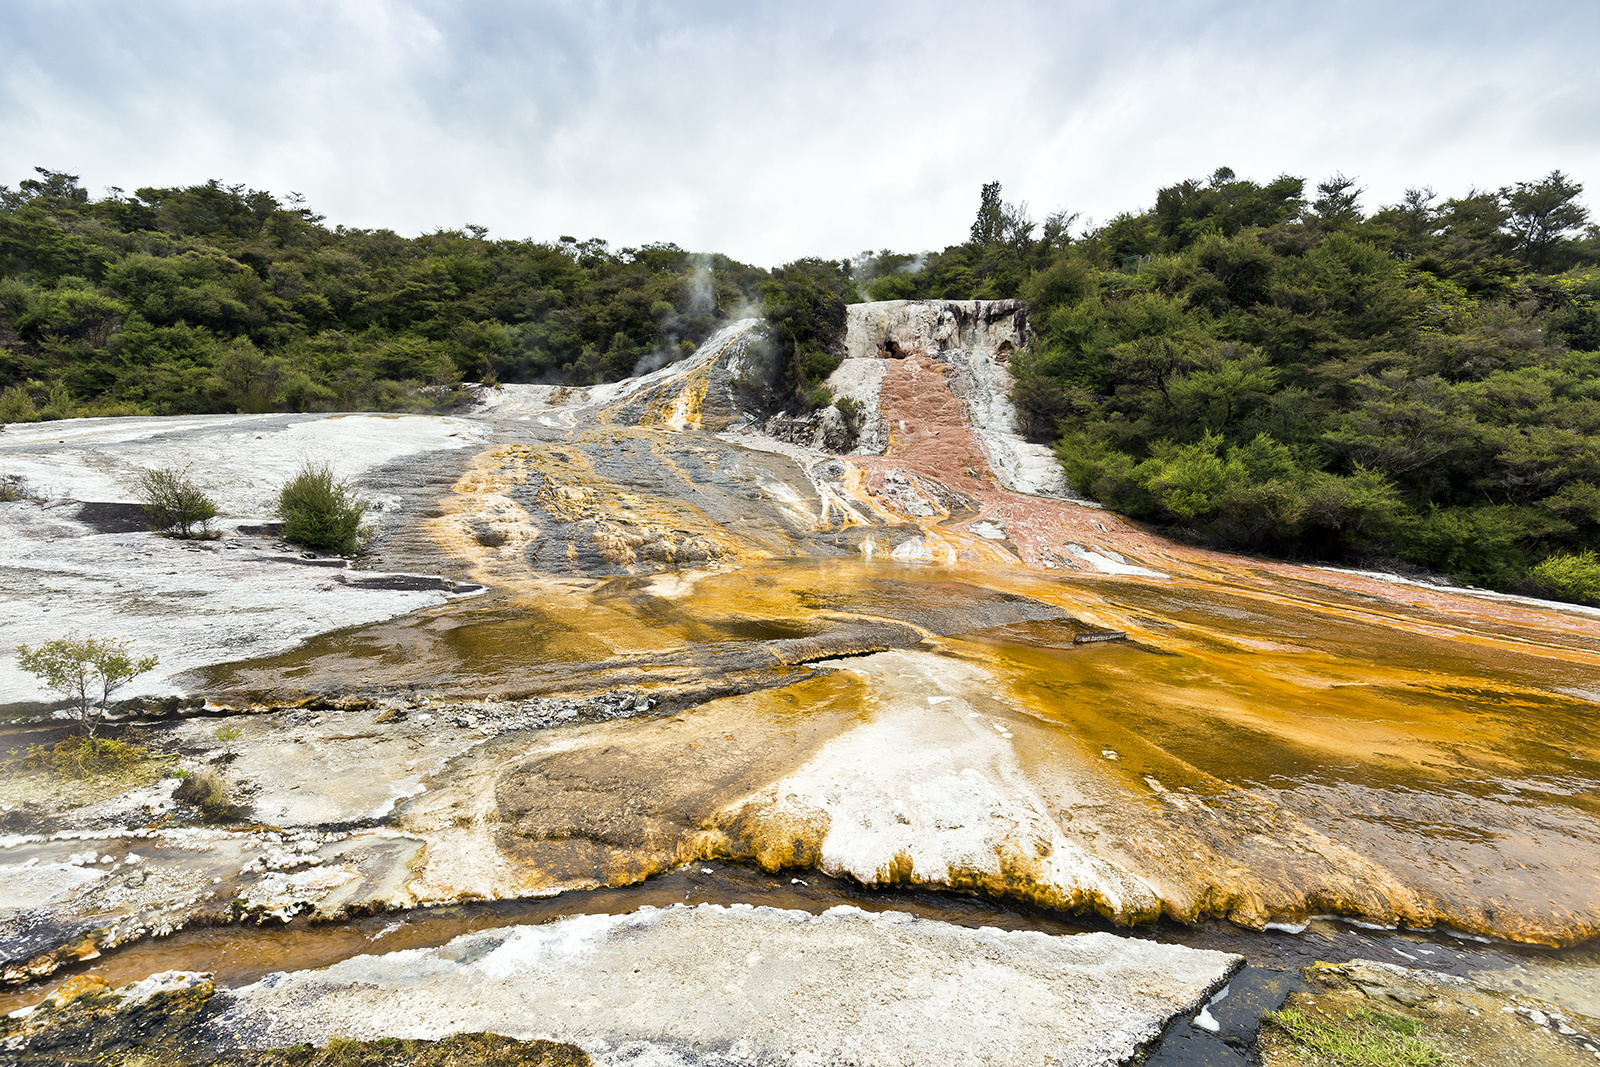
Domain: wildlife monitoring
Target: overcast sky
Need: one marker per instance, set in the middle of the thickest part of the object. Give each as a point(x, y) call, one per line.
point(770, 131)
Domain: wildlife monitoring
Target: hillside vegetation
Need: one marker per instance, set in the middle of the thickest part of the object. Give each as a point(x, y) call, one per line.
point(221, 298)
point(1246, 365)
point(1257, 369)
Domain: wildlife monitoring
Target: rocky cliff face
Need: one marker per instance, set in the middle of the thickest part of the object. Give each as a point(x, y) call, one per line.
point(968, 342)
point(888, 345)
point(898, 328)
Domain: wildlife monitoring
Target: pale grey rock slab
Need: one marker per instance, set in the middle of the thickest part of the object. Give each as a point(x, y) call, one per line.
point(568, 406)
point(717, 985)
point(31, 886)
point(193, 603)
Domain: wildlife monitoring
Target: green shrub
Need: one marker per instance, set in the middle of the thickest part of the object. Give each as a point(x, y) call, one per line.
point(58, 403)
point(1569, 577)
point(206, 791)
point(1489, 545)
point(321, 511)
point(174, 503)
point(16, 405)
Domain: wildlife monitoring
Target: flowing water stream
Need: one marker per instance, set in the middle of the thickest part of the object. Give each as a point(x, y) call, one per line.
point(239, 955)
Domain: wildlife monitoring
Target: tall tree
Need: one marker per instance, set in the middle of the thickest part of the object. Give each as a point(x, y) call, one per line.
point(1338, 202)
point(989, 227)
point(1542, 214)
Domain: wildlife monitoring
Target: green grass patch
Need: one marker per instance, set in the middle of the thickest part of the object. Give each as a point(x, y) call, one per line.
point(457, 1050)
point(81, 757)
point(1367, 1038)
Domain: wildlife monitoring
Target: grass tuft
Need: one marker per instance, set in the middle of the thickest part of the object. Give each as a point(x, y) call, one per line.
point(14, 487)
point(1367, 1039)
point(206, 791)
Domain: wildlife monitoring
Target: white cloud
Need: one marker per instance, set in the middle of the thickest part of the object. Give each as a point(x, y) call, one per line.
point(771, 131)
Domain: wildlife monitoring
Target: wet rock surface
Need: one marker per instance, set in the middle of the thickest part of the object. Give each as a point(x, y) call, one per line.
point(85, 1022)
point(156, 1023)
point(710, 985)
point(1226, 1029)
point(841, 986)
point(1395, 1008)
point(604, 633)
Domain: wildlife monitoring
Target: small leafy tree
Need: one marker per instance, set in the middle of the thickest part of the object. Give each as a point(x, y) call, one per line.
point(321, 511)
point(247, 379)
point(175, 503)
point(85, 670)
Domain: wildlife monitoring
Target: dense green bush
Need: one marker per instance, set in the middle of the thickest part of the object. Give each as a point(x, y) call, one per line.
point(17, 406)
point(804, 307)
point(1574, 577)
point(321, 511)
point(221, 298)
point(1256, 369)
point(174, 503)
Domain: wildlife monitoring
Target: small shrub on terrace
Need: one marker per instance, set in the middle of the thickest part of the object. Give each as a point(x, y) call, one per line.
point(173, 502)
point(206, 791)
point(13, 487)
point(321, 511)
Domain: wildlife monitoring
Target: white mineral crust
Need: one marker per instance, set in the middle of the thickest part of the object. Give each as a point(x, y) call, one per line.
point(192, 603)
point(714, 985)
point(937, 786)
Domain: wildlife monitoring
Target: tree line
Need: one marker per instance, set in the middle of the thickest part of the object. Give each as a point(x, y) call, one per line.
point(221, 298)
